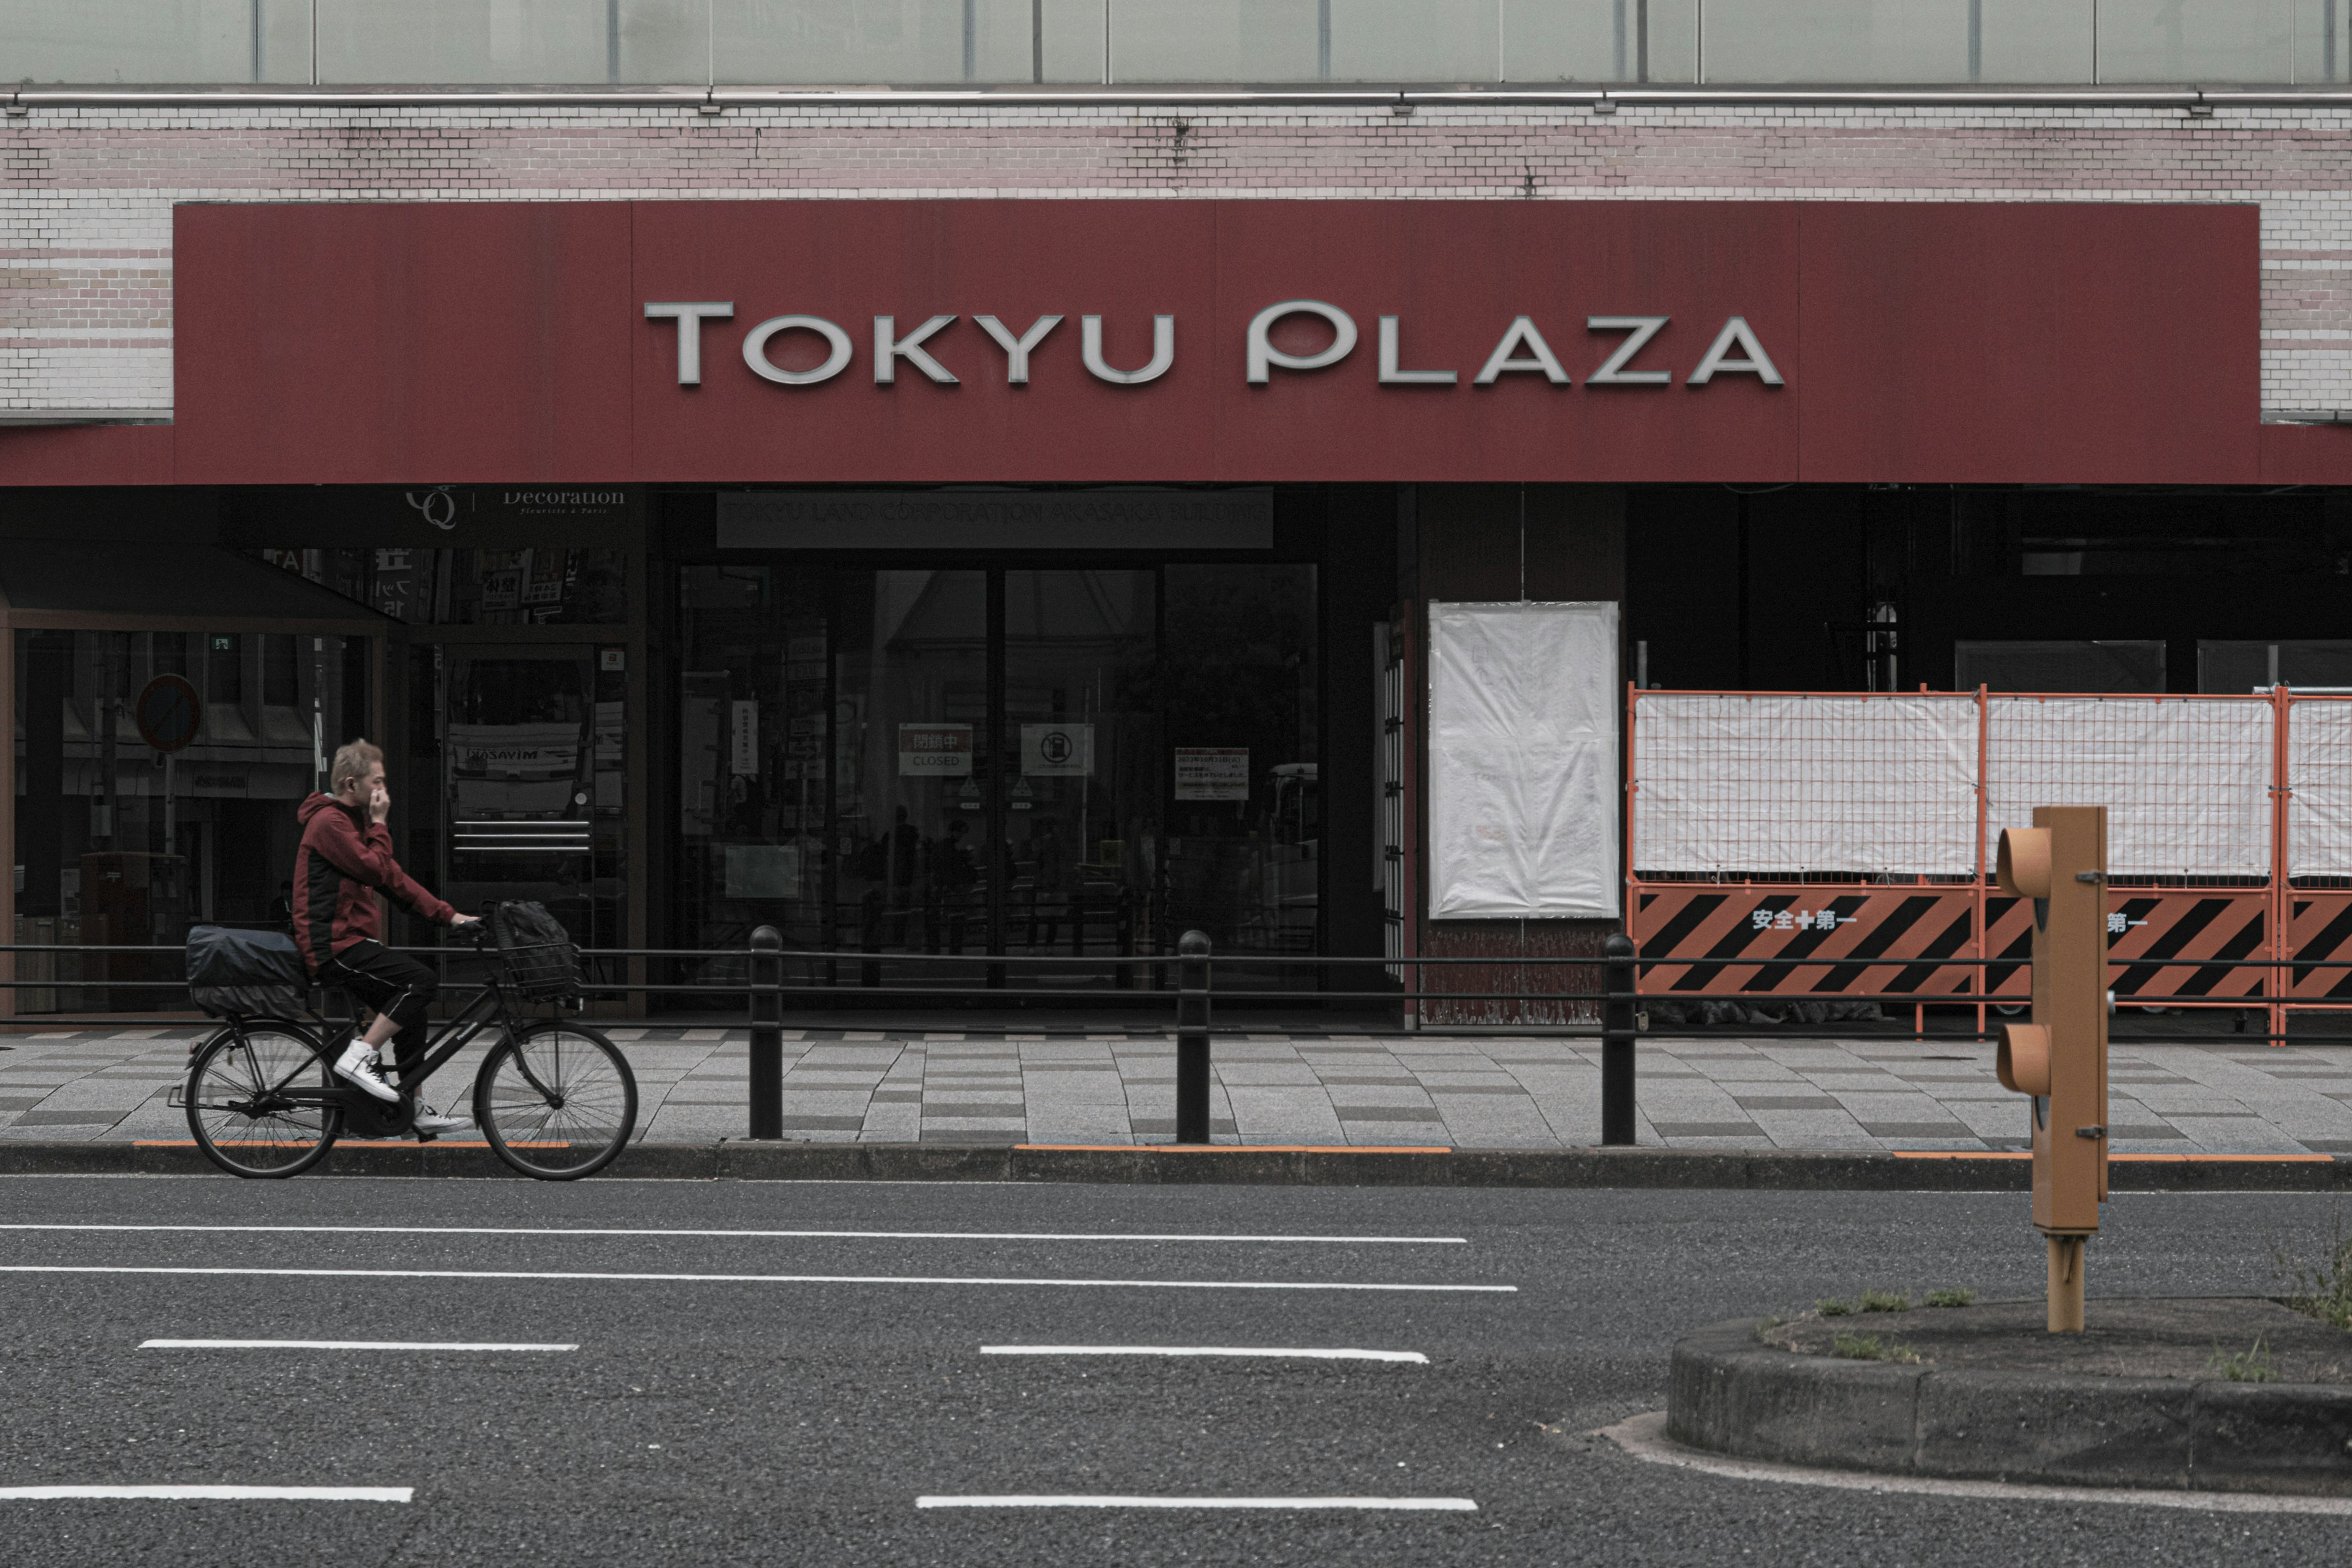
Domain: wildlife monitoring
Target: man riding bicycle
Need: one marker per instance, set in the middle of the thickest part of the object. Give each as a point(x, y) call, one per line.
point(344, 860)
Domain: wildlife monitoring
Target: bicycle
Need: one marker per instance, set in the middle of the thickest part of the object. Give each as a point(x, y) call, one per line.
point(555, 1099)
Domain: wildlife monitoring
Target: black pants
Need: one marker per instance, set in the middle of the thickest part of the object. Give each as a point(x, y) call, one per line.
point(400, 988)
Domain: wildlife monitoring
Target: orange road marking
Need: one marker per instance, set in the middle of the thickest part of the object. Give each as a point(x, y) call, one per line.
point(1235, 1148)
point(2023, 1154)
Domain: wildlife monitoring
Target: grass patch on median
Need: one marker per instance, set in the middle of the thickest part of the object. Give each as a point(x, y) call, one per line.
point(1871, 1347)
point(1959, 1296)
point(1886, 1301)
point(2246, 1366)
point(2322, 1288)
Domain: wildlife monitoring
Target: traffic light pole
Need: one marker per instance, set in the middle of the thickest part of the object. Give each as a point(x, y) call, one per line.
point(2060, 1060)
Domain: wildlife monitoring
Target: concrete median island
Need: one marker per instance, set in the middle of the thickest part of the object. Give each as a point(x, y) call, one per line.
point(2231, 1394)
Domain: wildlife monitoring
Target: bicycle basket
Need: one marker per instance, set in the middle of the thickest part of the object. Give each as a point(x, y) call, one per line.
point(542, 963)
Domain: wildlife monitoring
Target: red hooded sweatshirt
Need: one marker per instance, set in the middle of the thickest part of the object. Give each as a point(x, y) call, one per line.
point(344, 861)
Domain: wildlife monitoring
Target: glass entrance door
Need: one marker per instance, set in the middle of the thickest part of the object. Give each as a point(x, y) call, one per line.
point(1073, 764)
point(1080, 749)
point(532, 768)
point(912, 793)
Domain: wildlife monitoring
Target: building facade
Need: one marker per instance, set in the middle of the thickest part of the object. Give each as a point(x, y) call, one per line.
point(1066, 665)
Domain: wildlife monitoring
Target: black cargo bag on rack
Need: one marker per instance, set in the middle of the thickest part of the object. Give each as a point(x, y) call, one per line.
point(541, 962)
point(247, 974)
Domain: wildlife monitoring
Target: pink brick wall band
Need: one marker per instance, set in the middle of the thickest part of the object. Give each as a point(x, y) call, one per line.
point(85, 235)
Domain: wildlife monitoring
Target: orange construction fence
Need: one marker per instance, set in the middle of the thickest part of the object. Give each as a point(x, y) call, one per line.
point(1859, 827)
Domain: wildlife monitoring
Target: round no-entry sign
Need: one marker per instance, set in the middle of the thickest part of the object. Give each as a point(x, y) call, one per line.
point(168, 711)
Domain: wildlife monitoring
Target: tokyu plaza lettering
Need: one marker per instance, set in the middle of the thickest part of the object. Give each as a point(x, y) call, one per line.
point(1520, 349)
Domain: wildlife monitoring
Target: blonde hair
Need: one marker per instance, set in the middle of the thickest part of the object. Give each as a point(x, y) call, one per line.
point(354, 761)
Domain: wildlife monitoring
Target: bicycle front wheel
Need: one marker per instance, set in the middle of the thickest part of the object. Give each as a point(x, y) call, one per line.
point(556, 1100)
point(261, 1100)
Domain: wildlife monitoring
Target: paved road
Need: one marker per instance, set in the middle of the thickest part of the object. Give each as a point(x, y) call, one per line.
point(752, 1419)
point(1460, 1091)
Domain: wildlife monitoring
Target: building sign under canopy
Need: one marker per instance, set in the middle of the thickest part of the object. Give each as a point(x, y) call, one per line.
point(560, 350)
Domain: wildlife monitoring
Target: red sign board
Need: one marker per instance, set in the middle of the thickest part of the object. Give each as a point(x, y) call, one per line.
point(1928, 343)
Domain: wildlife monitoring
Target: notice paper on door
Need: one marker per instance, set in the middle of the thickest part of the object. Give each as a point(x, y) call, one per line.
point(743, 733)
point(1057, 751)
point(935, 751)
point(1212, 773)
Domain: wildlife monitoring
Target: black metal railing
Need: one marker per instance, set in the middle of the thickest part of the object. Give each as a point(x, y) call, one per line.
point(1185, 983)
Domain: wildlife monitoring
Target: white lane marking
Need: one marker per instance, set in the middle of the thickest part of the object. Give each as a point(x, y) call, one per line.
point(335, 1345)
point(768, 1235)
point(1644, 1437)
point(211, 1494)
point(1398, 1504)
point(752, 1278)
point(1413, 1356)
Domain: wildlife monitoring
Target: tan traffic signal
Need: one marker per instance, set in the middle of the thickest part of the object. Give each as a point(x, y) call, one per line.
point(2060, 1060)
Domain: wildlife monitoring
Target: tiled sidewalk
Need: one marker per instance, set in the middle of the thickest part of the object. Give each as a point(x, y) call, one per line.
point(1466, 1092)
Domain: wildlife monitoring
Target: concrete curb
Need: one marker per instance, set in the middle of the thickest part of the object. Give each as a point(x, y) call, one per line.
point(1728, 1394)
point(1228, 1165)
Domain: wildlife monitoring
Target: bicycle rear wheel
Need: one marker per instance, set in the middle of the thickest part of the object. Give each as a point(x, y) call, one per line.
point(260, 1100)
point(556, 1100)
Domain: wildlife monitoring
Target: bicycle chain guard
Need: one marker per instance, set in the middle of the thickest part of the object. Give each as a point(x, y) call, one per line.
point(365, 1116)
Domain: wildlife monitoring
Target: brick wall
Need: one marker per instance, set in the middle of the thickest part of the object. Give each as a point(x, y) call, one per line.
point(85, 235)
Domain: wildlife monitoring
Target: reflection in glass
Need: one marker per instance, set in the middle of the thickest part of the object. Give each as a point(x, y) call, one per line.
point(532, 768)
point(841, 776)
point(911, 703)
point(1081, 750)
point(531, 585)
point(1244, 827)
point(120, 843)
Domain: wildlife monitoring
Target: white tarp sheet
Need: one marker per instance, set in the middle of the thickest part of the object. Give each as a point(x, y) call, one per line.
point(1523, 760)
point(2186, 781)
point(1739, 783)
point(2319, 784)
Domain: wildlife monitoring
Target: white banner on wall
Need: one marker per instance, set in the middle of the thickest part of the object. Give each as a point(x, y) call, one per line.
point(1523, 760)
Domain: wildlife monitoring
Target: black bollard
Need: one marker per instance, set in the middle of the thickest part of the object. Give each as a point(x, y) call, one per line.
point(767, 979)
point(1617, 1042)
point(1192, 1038)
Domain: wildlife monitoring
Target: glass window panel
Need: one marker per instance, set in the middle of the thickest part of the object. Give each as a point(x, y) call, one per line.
point(456, 41)
point(1245, 820)
point(535, 585)
point(1218, 40)
point(1413, 40)
point(658, 42)
point(872, 41)
point(2238, 668)
point(530, 744)
point(2323, 40)
point(1672, 50)
point(754, 797)
point(191, 41)
point(1072, 45)
point(2193, 40)
point(1081, 750)
point(911, 707)
point(1837, 40)
point(2058, 666)
point(2036, 41)
point(120, 845)
point(1580, 40)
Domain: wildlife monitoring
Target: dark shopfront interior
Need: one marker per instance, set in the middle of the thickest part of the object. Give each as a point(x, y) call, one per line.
point(1070, 754)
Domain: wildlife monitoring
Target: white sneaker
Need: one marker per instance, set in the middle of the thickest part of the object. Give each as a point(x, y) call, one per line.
point(357, 1066)
point(428, 1119)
